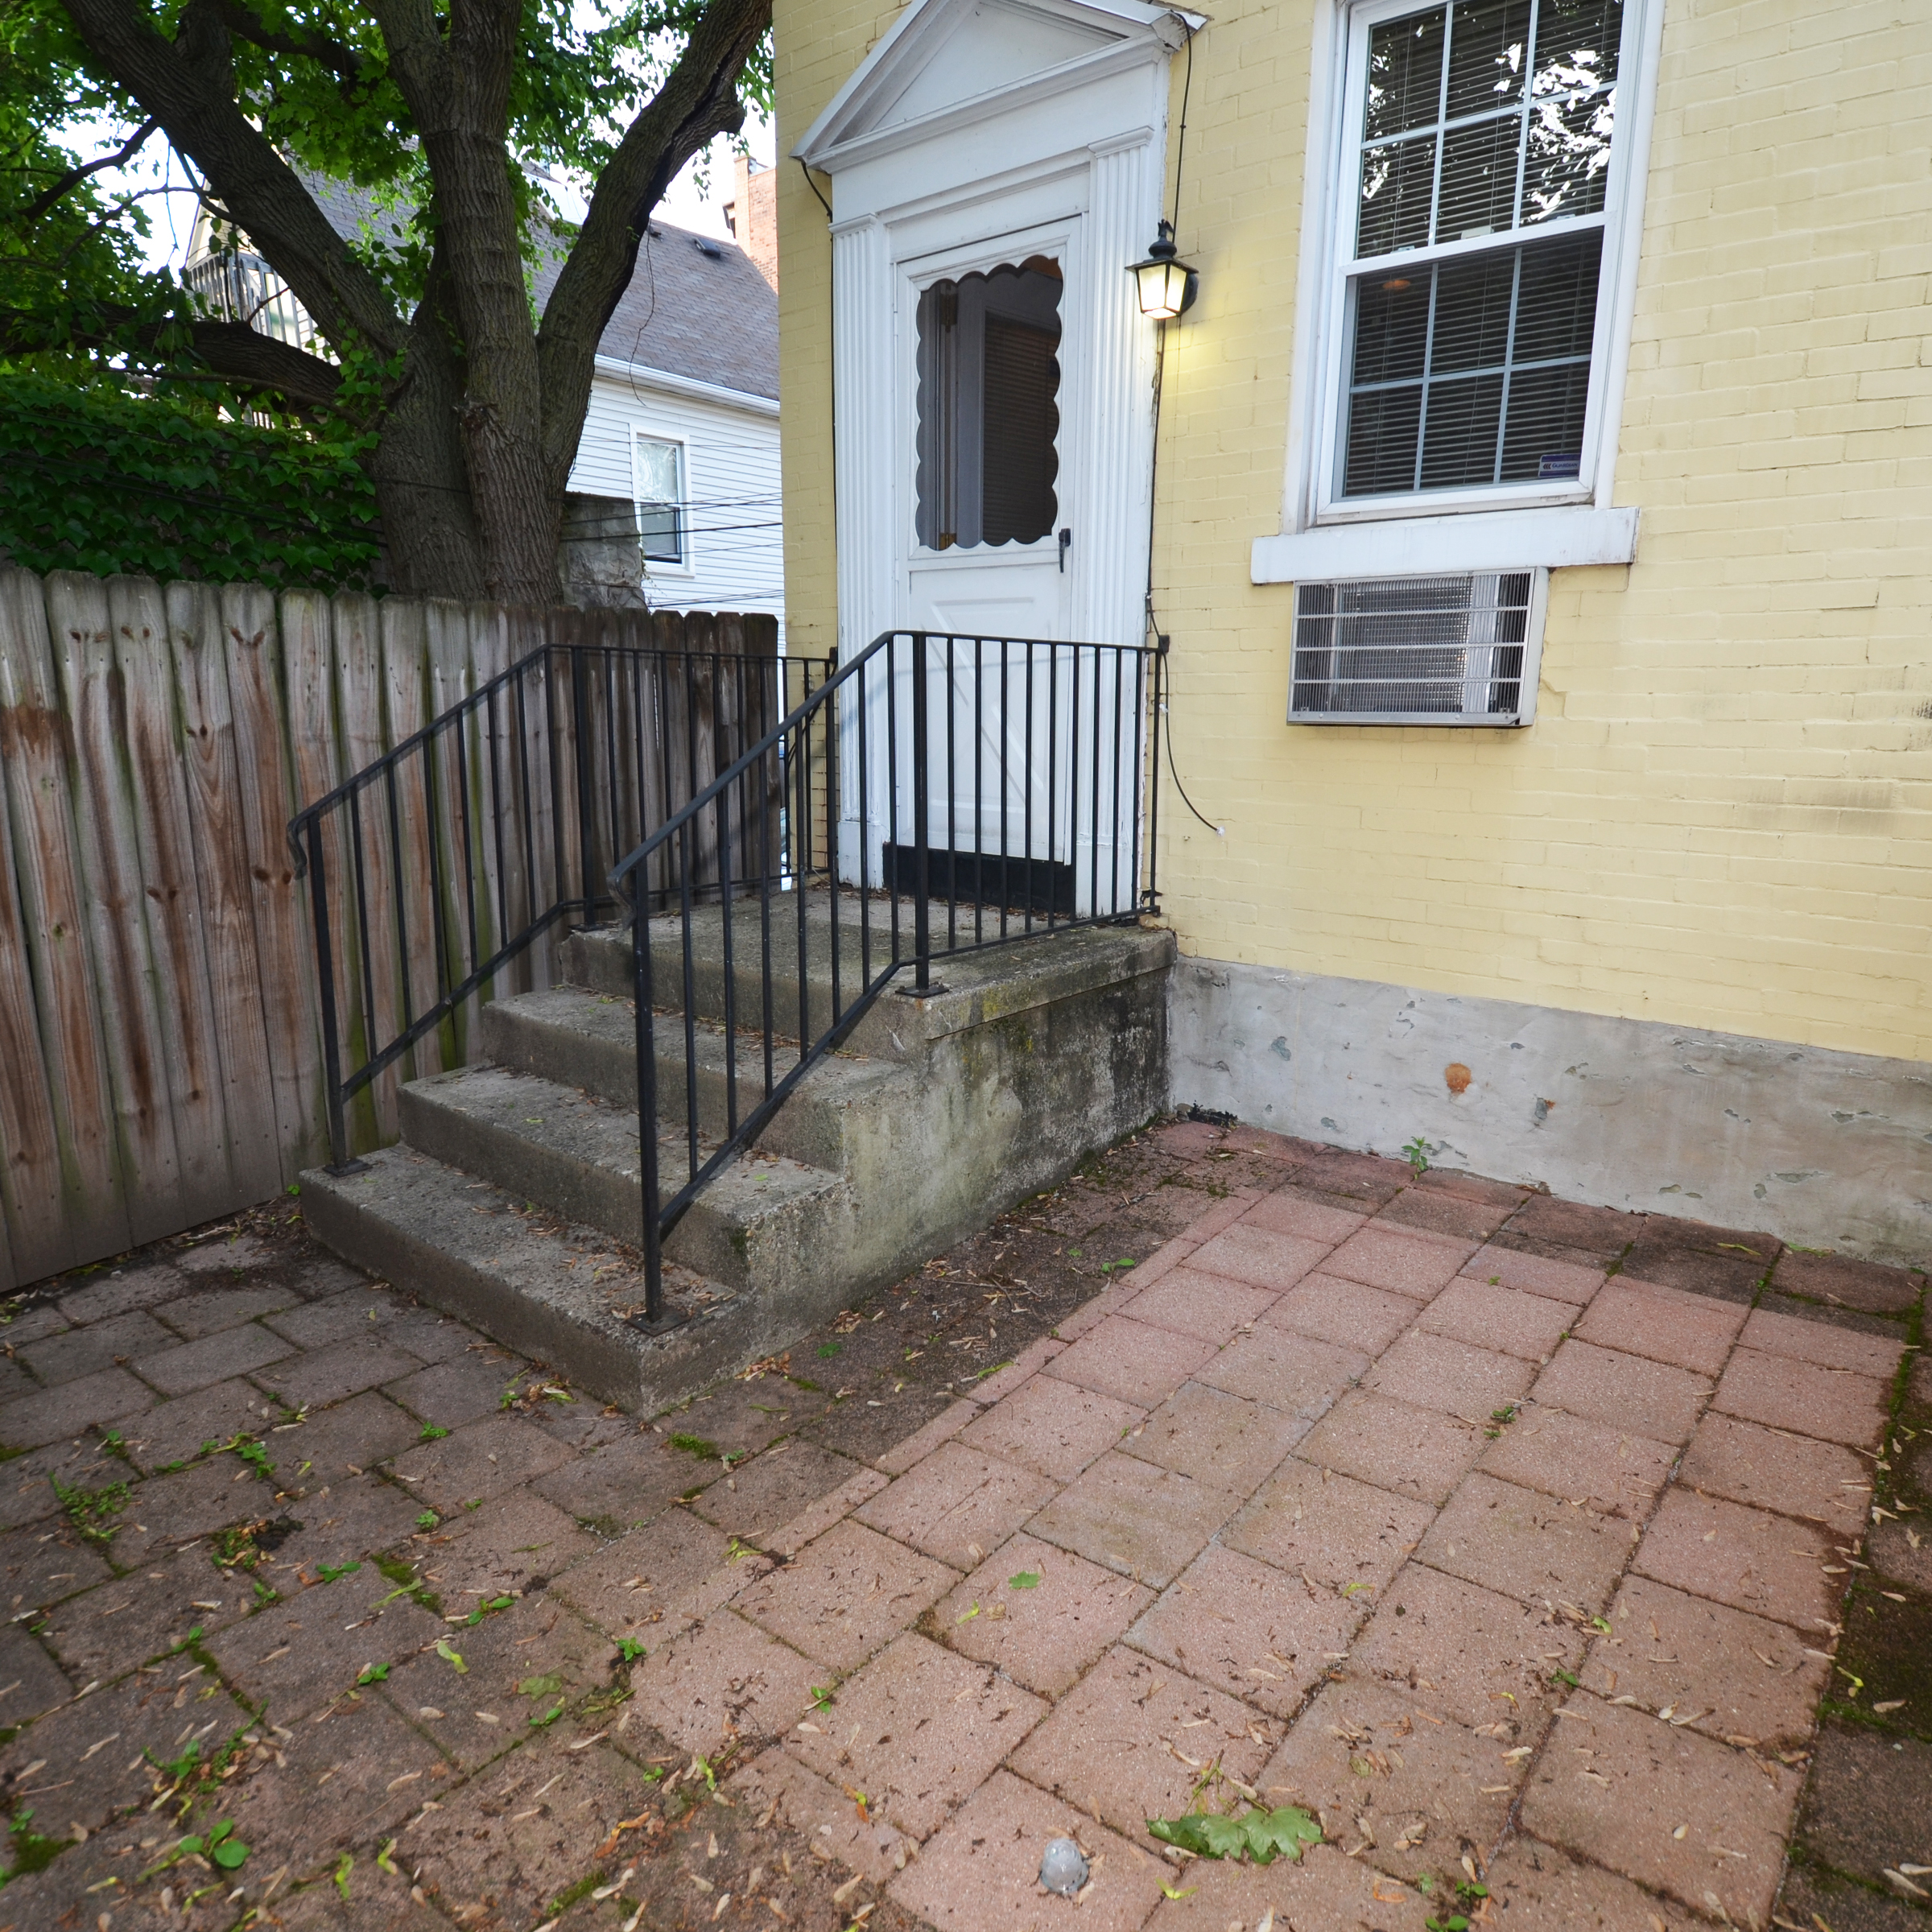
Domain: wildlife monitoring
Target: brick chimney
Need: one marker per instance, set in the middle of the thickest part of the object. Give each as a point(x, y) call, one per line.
point(752, 215)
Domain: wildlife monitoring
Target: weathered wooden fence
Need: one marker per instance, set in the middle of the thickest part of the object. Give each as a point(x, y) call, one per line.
point(160, 1058)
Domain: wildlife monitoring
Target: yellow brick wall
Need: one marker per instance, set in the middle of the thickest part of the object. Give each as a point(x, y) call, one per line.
point(1722, 816)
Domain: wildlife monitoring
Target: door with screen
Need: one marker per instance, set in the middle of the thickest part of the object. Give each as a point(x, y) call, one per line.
point(985, 568)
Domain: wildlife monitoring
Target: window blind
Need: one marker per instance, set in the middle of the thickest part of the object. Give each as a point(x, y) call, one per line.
point(1484, 118)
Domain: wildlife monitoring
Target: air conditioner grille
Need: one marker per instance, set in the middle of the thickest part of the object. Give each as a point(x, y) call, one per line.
point(1441, 650)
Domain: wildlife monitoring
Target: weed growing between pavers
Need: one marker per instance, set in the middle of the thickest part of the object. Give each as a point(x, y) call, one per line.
point(92, 1511)
point(32, 1851)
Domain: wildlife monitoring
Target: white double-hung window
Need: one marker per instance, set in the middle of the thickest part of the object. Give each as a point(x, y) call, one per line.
point(659, 488)
point(1469, 273)
point(1470, 244)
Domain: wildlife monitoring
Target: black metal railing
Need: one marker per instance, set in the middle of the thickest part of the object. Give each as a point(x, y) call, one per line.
point(938, 795)
point(440, 874)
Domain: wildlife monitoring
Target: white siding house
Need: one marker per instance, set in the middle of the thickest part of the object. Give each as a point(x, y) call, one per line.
point(684, 423)
point(684, 418)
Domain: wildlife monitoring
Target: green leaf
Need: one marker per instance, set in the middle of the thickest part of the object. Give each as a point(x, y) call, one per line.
point(628, 1649)
point(1280, 1834)
point(546, 1686)
point(549, 1717)
point(451, 1656)
point(375, 1673)
point(431, 1433)
point(229, 1855)
point(1202, 1833)
point(340, 1878)
point(1168, 1892)
point(1262, 1836)
point(1027, 1579)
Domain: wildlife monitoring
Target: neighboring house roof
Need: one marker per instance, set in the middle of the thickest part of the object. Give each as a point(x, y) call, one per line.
point(696, 307)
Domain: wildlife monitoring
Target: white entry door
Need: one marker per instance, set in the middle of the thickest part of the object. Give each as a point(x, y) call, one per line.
point(991, 368)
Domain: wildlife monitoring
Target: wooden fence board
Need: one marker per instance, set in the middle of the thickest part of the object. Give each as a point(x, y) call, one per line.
point(79, 630)
point(160, 1040)
point(171, 897)
point(37, 753)
point(358, 689)
point(460, 833)
point(413, 803)
point(246, 1080)
point(32, 1206)
point(253, 652)
point(308, 673)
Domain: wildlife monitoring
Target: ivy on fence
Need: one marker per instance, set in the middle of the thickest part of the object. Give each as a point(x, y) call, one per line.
point(100, 480)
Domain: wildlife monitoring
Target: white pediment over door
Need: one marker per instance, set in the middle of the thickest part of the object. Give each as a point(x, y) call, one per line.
point(948, 60)
point(990, 49)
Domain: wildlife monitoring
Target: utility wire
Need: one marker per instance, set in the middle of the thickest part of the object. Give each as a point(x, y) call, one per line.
point(1160, 375)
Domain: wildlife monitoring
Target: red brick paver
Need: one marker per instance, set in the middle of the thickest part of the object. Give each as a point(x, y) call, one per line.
point(1519, 1570)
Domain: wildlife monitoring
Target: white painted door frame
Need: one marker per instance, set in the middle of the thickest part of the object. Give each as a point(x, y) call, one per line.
point(1076, 151)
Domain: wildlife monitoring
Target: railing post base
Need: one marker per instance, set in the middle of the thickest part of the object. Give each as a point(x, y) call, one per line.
point(342, 1169)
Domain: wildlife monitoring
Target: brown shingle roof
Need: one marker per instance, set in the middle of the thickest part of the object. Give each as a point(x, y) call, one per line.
point(695, 308)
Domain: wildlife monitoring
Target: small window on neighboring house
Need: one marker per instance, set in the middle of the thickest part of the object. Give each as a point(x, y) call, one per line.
point(660, 496)
point(988, 410)
point(1470, 247)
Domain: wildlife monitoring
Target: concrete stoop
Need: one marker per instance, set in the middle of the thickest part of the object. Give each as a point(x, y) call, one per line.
point(513, 1200)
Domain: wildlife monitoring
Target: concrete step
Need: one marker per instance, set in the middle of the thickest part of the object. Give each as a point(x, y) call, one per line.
point(588, 1041)
point(561, 1292)
point(974, 988)
point(601, 959)
point(752, 1227)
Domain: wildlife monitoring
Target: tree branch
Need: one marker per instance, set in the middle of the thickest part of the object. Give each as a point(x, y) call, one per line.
point(344, 62)
point(74, 176)
point(180, 88)
point(232, 350)
point(698, 101)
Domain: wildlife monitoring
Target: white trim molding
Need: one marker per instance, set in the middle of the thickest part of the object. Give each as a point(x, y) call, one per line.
point(1519, 527)
point(641, 376)
point(1503, 539)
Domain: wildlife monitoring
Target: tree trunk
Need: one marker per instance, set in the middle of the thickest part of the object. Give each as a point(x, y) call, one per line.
point(421, 483)
point(478, 425)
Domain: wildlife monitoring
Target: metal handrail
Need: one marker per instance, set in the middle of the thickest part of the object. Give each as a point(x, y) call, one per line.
point(848, 747)
point(445, 862)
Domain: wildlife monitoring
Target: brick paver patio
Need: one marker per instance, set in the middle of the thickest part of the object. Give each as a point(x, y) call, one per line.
point(1390, 1500)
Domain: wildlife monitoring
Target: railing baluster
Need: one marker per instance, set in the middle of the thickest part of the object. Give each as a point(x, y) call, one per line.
point(643, 994)
point(691, 1001)
point(952, 829)
point(922, 913)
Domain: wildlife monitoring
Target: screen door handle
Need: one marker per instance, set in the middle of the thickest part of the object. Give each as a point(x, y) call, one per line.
point(1065, 540)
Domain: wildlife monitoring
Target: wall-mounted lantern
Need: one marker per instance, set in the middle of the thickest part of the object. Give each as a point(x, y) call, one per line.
point(1167, 287)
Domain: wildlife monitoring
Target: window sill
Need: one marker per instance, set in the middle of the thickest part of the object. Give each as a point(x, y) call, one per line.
point(1514, 540)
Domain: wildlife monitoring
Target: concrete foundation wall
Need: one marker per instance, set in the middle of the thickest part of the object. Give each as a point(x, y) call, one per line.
point(1824, 1149)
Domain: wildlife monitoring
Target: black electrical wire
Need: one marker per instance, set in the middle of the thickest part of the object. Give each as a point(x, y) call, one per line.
point(1160, 373)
